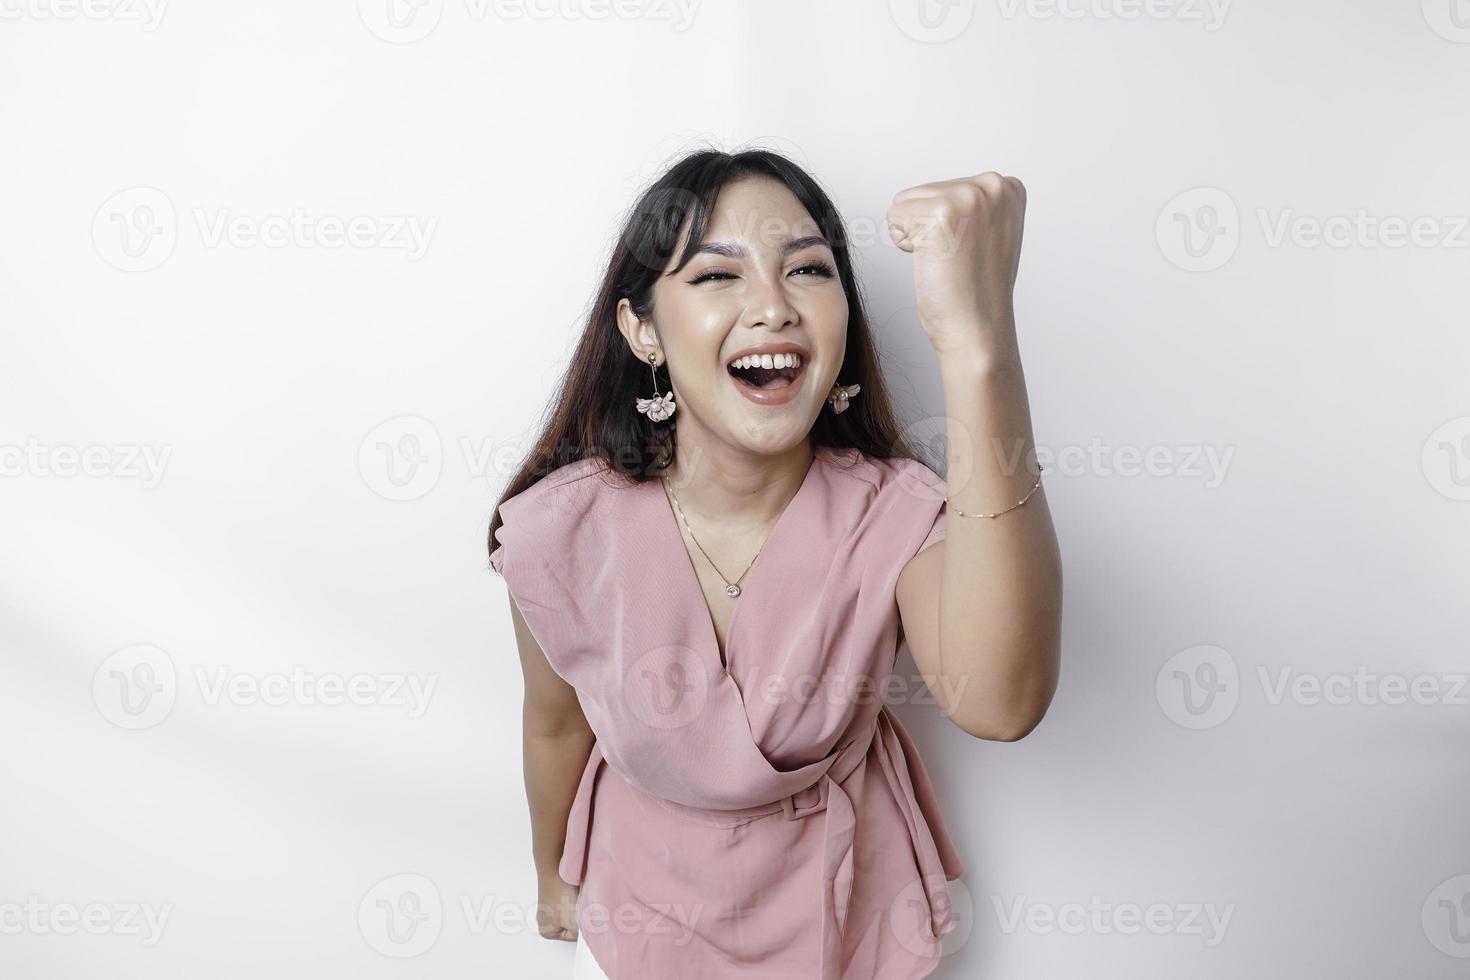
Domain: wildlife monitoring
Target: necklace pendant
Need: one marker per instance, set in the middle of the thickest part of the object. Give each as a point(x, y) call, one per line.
point(733, 591)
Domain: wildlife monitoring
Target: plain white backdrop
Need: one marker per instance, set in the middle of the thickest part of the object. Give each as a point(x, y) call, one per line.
point(284, 288)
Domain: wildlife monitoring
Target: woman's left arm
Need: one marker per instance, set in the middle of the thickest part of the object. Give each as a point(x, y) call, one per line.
point(982, 608)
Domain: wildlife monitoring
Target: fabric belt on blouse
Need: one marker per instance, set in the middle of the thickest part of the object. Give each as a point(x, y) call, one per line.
point(827, 796)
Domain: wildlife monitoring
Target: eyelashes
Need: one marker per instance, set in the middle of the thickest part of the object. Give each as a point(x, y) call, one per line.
point(821, 268)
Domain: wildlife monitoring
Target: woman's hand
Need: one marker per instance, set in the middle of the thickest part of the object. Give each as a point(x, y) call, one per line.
point(556, 908)
point(965, 236)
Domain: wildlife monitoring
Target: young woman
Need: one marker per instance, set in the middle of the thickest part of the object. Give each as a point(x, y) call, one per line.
point(716, 548)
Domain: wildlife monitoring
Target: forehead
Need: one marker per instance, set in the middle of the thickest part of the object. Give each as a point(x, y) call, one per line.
point(758, 212)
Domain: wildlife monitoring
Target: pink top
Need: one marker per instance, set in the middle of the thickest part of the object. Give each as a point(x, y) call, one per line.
point(774, 821)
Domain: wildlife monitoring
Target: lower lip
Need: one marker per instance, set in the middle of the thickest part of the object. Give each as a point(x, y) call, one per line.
point(770, 396)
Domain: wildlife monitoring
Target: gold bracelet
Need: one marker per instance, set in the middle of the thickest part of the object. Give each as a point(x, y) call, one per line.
point(1018, 503)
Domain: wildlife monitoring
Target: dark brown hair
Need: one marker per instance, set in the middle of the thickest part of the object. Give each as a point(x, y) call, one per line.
point(592, 412)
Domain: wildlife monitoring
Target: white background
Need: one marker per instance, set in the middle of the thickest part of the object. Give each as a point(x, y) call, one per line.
point(1163, 146)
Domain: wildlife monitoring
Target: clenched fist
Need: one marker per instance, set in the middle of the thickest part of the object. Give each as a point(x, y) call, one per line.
point(965, 236)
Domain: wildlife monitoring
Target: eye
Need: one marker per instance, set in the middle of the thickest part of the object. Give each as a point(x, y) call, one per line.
point(711, 274)
point(820, 268)
point(817, 267)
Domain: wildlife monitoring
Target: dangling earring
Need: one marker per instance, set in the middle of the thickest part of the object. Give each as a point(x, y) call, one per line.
point(659, 407)
point(840, 395)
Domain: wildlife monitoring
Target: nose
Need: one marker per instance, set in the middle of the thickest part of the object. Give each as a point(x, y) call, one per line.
point(770, 308)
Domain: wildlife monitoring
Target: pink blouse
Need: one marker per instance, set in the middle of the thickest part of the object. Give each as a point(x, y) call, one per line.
point(771, 820)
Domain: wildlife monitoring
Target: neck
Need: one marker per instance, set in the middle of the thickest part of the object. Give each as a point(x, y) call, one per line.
point(736, 487)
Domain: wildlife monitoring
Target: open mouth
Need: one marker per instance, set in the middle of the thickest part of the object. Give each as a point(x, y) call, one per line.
point(767, 371)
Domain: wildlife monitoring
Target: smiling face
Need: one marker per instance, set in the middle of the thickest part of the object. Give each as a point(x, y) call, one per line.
point(754, 328)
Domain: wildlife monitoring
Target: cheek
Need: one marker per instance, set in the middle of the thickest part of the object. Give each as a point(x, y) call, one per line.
point(693, 328)
point(830, 326)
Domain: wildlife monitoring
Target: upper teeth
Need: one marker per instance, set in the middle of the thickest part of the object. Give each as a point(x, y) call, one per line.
point(766, 361)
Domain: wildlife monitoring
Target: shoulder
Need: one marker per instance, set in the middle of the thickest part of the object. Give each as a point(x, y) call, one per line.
point(567, 475)
point(889, 476)
point(582, 480)
point(548, 516)
point(896, 502)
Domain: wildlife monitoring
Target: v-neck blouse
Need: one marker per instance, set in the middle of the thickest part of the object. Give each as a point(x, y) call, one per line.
point(774, 821)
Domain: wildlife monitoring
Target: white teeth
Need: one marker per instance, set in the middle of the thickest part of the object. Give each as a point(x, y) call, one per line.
point(784, 360)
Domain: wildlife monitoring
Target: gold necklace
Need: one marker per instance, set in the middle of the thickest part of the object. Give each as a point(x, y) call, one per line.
point(732, 589)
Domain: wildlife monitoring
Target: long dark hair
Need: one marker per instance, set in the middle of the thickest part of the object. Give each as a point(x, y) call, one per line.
point(592, 414)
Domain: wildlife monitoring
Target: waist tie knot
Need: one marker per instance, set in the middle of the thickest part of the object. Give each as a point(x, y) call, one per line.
point(828, 797)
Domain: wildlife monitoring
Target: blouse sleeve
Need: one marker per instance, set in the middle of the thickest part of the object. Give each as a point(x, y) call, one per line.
point(497, 553)
point(936, 533)
point(526, 535)
point(919, 498)
point(541, 550)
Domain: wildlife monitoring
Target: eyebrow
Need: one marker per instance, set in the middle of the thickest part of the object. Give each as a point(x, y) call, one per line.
point(733, 251)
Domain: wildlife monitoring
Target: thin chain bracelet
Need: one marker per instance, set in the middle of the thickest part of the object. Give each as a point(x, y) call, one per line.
point(1018, 503)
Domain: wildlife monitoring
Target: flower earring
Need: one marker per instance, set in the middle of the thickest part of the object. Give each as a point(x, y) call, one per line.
point(659, 407)
point(840, 395)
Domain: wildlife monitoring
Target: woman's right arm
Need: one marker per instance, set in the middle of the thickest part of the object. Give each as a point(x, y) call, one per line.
point(557, 743)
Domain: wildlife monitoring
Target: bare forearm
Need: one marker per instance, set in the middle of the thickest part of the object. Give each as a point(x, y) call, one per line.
point(554, 762)
point(1001, 594)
